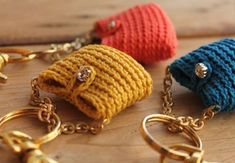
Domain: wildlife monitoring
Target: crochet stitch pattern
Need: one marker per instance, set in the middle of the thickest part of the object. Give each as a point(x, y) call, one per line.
point(144, 31)
point(218, 87)
point(116, 81)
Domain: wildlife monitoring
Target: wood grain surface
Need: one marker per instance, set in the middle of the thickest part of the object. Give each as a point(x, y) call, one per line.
point(120, 141)
point(46, 21)
point(26, 22)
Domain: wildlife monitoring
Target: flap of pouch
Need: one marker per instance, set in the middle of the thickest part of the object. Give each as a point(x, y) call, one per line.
point(185, 73)
point(63, 78)
point(107, 27)
point(83, 79)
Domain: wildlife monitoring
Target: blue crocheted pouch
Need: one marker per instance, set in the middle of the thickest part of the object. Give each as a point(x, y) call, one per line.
point(218, 86)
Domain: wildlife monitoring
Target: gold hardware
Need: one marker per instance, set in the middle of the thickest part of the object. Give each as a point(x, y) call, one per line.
point(181, 124)
point(25, 54)
point(56, 51)
point(111, 24)
point(195, 155)
point(5, 58)
point(67, 127)
point(3, 61)
point(201, 70)
point(168, 103)
point(83, 73)
point(190, 154)
point(24, 145)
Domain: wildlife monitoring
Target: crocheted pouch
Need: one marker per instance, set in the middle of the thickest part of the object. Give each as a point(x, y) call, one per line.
point(144, 31)
point(99, 80)
point(216, 86)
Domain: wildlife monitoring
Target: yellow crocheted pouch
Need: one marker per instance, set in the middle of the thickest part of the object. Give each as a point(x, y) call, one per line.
point(99, 80)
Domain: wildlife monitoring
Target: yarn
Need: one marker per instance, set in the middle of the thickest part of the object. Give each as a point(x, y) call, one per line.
point(115, 82)
point(144, 31)
point(218, 87)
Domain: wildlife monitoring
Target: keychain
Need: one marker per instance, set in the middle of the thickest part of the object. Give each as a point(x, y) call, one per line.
point(99, 80)
point(209, 71)
point(145, 32)
point(20, 143)
point(24, 145)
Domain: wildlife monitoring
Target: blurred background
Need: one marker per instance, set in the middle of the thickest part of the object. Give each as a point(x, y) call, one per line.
point(44, 21)
point(37, 23)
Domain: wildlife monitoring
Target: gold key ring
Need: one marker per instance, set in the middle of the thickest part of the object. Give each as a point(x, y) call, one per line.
point(25, 54)
point(5, 58)
point(34, 112)
point(173, 151)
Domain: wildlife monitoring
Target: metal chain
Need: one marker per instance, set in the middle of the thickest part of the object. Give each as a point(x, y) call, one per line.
point(47, 108)
point(167, 94)
point(197, 123)
point(80, 127)
point(66, 48)
point(56, 51)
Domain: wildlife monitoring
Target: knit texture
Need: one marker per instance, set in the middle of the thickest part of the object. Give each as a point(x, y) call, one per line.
point(116, 81)
point(218, 87)
point(144, 31)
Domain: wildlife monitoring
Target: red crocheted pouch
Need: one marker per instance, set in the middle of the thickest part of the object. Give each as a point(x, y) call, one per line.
point(144, 31)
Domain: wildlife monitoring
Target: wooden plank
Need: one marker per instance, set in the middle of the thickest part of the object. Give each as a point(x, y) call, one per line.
point(44, 21)
point(120, 141)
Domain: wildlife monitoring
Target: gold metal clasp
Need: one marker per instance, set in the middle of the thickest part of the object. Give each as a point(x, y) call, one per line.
point(5, 58)
point(3, 61)
point(24, 145)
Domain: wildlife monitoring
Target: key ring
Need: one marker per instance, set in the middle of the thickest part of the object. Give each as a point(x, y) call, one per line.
point(174, 152)
point(24, 145)
point(25, 54)
point(5, 58)
point(34, 112)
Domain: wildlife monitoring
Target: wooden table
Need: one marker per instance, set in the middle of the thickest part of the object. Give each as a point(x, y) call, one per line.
point(41, 22)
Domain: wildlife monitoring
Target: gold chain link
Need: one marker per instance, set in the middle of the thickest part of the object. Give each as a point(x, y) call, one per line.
point(168, 103)
point(80, 127)
point(56, 51)
point(47, 108)
point(167, 94)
